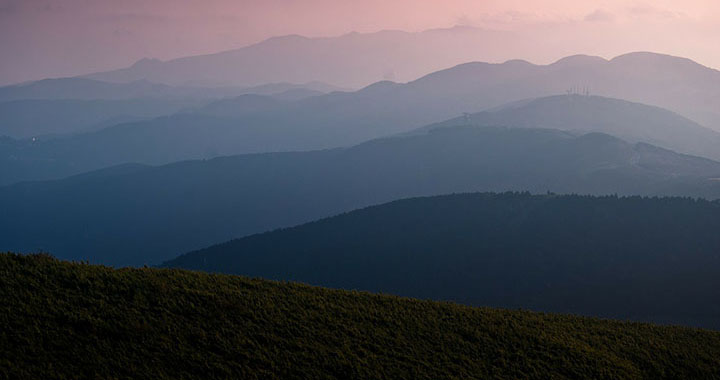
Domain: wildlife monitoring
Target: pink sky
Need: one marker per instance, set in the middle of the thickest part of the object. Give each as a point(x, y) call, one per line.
point(50, 38)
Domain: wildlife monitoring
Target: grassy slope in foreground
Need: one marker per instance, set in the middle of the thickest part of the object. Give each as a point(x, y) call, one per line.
point(67, 320)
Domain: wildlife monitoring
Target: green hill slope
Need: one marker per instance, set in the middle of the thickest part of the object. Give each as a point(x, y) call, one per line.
point(62, 320)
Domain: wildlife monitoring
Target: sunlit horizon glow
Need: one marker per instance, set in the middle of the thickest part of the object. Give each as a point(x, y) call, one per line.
point(54, 38)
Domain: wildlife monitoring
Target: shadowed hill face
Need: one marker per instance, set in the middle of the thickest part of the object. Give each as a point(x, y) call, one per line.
point(633, 122)
point(80, 317)
point(638, 258)
point(155, 213)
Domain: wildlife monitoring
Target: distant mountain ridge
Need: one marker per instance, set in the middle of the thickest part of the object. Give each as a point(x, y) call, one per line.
point(138, 214)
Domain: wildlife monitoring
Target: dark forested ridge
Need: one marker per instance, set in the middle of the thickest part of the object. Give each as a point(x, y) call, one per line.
point(648, 259)
point(135, 215)
point(63, 320)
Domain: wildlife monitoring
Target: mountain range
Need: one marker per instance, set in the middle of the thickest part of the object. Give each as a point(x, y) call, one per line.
point(299, 119)
point(256, 124)
point(135, 214)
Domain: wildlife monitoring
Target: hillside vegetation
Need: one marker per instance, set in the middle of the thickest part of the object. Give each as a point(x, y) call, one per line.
point(646, 259)
point(64, 320)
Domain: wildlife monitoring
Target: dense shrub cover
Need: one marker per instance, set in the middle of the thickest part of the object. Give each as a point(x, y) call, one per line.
point(61, 320)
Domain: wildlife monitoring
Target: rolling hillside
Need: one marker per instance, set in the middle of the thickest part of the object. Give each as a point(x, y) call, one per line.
point(134, 214)
point(63, 320)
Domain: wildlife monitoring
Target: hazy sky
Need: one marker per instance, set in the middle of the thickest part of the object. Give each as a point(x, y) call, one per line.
point(48, 38)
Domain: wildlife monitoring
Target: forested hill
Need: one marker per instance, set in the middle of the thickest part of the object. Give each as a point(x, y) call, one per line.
point(63, 321)
point(648, 259)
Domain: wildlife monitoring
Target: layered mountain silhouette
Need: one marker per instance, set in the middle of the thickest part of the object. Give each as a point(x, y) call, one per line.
point(134, 214)
point(631, 258)
point(255, 124)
